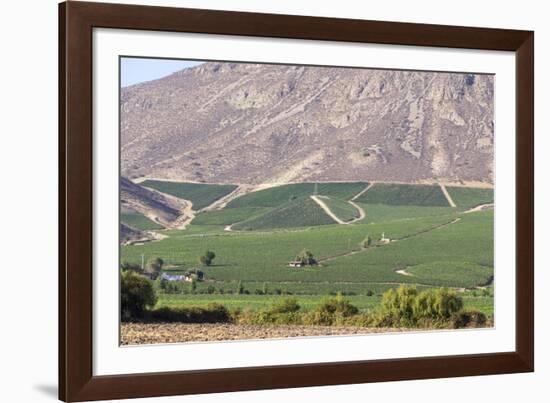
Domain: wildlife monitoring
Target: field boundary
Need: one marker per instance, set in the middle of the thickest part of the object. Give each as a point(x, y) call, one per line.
point(447, 195)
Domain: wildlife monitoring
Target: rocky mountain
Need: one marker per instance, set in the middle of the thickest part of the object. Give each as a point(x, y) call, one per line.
point(253, 123)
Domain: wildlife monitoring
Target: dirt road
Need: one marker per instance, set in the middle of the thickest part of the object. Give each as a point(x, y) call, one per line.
point(447, 195)
point(326, 209)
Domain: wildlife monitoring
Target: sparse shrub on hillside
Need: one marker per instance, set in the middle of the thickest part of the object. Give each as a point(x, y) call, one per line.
point(136, 294)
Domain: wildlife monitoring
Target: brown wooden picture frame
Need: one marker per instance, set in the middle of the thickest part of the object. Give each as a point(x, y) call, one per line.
point(76, 23)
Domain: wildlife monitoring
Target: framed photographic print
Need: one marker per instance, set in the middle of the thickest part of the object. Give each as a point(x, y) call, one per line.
point(252, 201)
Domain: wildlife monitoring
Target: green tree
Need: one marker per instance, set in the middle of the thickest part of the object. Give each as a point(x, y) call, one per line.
point(438, 303)
point(193, 286)
point(136, 294)
point(306, 257)
point(207, 258)
point(399, 303)
point(154, 267)
point(240, 287)
point(127, 266)
point(367, 241)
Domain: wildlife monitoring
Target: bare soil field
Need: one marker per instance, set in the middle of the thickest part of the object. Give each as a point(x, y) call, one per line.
point(154, 333)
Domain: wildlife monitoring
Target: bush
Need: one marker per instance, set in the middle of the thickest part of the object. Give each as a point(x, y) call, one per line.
point(338, 305)
point(136, 294)
point(437, 304)
point(405, 306)
point(332, 311)
point(171, 287)
point(399, 303)
point(212, 313)
point(470, 318)
point(285, 305)
point(126, 266)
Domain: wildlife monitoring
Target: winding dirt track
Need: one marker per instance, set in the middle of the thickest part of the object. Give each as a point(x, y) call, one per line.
point(327, 210)
point(322, 204)
point(362, 191)
point(481, 207)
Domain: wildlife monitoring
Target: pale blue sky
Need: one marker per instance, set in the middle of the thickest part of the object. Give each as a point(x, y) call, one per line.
point(136, 70)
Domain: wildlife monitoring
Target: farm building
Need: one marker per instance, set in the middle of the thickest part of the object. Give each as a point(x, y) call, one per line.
point(189, 276)
point(296, 263)
point(172, 277)
point(193, 274)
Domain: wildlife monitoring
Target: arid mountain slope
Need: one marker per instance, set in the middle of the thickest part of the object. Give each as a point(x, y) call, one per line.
point(250, 123)
point(156, 206)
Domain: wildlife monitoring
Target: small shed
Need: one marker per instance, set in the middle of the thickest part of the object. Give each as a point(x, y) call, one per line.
point(383, 239)
point(296, 263)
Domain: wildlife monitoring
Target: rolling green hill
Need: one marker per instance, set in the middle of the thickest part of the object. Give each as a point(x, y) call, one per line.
point(200, 194)
point(435, 244)
point(404, 195)
point(302, 212)
point(272, 197)
point(343, 191)
point(228, 216)
point(277, 196)
point(470, 197)
point(452, 274)
point(340, 208)
point(384, 212)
